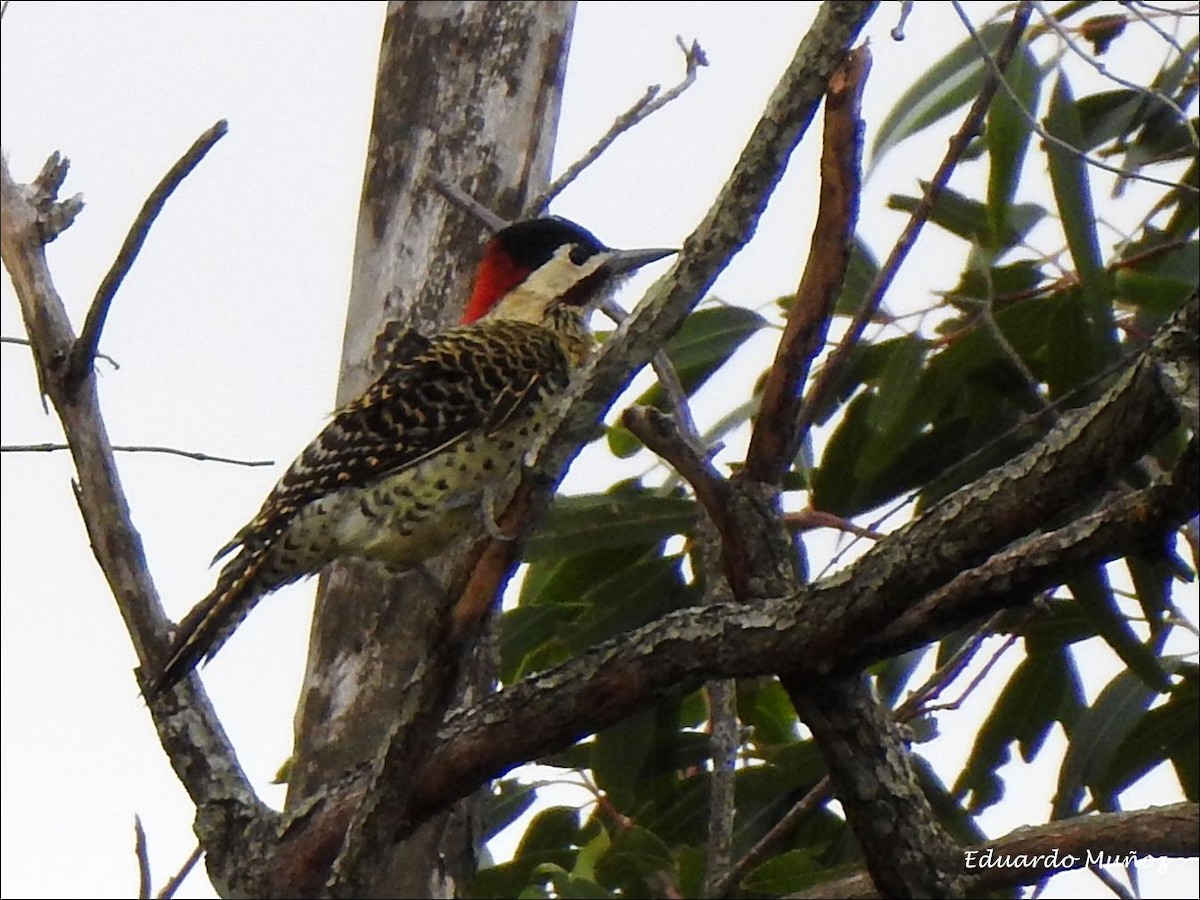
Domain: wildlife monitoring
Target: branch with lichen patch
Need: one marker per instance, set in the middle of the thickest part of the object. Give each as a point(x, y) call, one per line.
point(231, 816)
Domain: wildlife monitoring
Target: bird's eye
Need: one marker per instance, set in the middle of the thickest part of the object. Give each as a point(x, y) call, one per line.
point(580, 254)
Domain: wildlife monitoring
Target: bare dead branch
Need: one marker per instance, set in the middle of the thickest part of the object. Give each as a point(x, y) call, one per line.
point(83, 354)
point(815, 397)
point(24, 342)
point(188, 727)
point(56, 216)
point(647, 105)
point(138, 448)
point(469, 205)
point(143, 858)
point(173, 884)
point(808, 519)
point(775, 437)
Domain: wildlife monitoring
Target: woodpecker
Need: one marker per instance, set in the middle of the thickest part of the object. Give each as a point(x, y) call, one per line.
point(406, 469)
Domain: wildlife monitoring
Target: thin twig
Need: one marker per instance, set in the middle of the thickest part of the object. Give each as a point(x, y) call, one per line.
point(993, 330)
point(668, 378)
point(1132, 8)
point(992, 65)
point(177, 879)
point(469, 204)
point(944, 675)
point(143, 858)
point(83, 354)
point(140, 448)
point(1111, 882)
point(723, 745)
point(971, 126)
point(1166, 11)
point(976, 680)
point(816, 795)
point(647, 105)
point(662, 436)
point(808, 519)
point(25, 342)
point(1088, 58)
point(897, 32)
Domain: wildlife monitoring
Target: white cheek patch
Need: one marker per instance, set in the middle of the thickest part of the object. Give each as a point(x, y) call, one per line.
point(528, 301)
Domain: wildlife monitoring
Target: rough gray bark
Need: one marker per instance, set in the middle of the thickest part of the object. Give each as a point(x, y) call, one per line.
point(467, 93)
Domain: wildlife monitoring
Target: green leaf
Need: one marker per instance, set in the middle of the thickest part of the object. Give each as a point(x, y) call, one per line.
point(953, 82)
point(1073, 194)
point(1097, 735)
point(861, 270)
point(1042, 690)
point(1107, 115)
point(569, 887)
point(1152, 580)
point(627, 599)
point(1159, 294)
point(997, 282)
point(620, 755)
point(897, 384)
point(1075, 347)
point(894, 674)
point(590, 853)
point(973, 221)
point(565, 579)
point(1162, 734)
point(530, 638)
point(604, 521)
point(1008, 133)
point(835, 486)
point(793, 765)
point(956, 820)
point(705, 341)
point(1058, 622)
point(551, 830)
point(547, 845)
point(786, 873)
point(621, 441)
point(765, 706)
point(508, 799)
point(1094, 595)
point(636, 854)
point(693, 862)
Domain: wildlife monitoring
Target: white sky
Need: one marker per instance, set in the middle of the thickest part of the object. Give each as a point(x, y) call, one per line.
point(229, 329)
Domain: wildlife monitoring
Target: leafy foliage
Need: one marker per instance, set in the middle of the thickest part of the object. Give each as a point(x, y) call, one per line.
point(916, 412)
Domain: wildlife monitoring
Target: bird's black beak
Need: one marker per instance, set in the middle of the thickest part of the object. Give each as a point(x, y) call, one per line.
point(622, 262)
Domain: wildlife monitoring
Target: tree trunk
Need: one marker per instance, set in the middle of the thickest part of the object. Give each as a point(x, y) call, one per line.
point(468, 93)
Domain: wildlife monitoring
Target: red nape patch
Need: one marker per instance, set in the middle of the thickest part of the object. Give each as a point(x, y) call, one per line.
point(498, 274)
